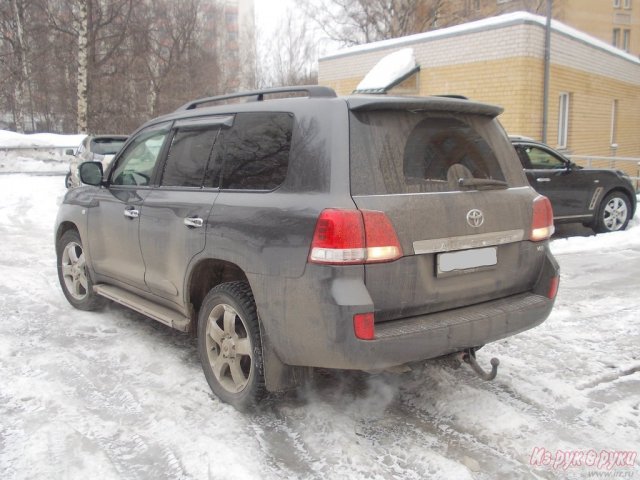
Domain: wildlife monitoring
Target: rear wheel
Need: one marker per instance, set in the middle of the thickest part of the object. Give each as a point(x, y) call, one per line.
point(67, 180)
point(73, 275)
point(614, 213)
point(229, 345)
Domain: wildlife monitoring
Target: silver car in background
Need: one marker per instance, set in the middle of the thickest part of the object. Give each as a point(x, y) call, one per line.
point(94, 148)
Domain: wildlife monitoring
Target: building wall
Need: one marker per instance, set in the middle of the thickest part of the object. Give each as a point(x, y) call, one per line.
point(503, 64)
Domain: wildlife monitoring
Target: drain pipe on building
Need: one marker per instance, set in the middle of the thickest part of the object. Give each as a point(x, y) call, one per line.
point(547, 67)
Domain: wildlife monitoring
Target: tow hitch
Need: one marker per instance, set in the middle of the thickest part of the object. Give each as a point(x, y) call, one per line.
point(469, 356)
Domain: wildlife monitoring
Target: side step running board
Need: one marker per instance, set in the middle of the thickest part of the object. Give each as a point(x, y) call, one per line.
point(162, 314)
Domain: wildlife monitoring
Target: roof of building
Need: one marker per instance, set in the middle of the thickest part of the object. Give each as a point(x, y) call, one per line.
point(490, 23)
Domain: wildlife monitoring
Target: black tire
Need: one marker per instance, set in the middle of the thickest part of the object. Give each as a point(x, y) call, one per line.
point(229, 345)
point(73, 274)
point(67, 180)
point(614, 213)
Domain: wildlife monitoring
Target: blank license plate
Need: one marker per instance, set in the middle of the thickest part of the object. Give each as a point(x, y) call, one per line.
point(467, 259)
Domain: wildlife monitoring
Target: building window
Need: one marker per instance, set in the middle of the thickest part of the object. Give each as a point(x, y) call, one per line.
point(563, 120)
point(614, 122)
point(616, 3)
point(616, 37)
point(626, 40)
point(627, 3)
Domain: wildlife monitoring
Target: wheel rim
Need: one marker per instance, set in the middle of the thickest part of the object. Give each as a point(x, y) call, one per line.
point(229, 348)
point(74, 271)
point(615, 214)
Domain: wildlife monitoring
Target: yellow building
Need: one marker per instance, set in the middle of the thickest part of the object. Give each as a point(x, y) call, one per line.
point(594, 89)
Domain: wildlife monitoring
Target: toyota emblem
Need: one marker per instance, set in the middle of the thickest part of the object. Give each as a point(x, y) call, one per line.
point(475, 218)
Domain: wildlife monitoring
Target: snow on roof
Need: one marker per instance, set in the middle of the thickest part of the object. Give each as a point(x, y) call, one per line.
point(10, 139)
point(485, 24)
point(388, 71)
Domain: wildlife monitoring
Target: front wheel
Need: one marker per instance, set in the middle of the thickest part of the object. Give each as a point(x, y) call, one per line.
point(229, 345)
point(613, 214)
point(67, 180)
point(73, 275)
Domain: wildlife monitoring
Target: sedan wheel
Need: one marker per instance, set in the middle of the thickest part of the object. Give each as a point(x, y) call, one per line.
point(614, 213)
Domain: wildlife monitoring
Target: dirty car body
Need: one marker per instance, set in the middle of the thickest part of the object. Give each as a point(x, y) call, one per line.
point(357, 232)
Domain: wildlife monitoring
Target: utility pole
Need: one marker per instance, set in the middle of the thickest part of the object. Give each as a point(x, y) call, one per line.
point(547, 65)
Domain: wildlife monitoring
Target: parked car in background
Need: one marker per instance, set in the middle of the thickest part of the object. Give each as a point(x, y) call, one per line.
point(358, 232)
point(94, 148)
point(601, 199)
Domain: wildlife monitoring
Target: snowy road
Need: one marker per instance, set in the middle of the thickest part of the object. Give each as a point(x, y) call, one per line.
point(115, 395)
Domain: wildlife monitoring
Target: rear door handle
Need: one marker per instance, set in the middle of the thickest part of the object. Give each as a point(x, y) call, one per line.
point(131, 212)
point(543, 179)
point(195, 222)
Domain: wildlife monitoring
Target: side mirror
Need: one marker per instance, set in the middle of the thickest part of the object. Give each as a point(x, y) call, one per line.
point(70, 151)
point(91, 173)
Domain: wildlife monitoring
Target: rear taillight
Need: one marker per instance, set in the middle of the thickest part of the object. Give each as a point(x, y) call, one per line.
point(553, 287)
point(344, 237)
point(542, 224)
point(363, 326)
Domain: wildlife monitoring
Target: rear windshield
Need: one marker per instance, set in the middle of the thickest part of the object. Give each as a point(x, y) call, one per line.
point(106, 146)
point(395, 151)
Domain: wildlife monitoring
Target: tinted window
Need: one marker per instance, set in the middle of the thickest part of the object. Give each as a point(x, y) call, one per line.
point(135, 166)
point(255, 151)
point(189, 156)
point(412, 152)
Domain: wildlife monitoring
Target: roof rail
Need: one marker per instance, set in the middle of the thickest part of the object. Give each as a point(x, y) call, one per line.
point(313, 91)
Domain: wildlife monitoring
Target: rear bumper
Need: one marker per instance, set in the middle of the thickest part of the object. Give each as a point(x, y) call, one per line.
point(314, 326)
point(430, 336)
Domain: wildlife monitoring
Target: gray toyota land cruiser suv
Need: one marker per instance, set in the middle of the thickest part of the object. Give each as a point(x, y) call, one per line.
point(357, 232)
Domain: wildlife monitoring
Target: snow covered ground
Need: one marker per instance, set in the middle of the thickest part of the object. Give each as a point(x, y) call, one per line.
point(115, 395)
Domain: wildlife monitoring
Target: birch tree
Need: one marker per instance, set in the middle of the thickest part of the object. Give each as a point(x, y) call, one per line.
point(83, 66)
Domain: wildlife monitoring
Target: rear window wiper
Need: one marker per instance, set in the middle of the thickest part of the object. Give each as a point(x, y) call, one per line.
point(482, 182)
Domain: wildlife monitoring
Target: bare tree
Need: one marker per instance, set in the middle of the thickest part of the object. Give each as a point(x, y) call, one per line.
point(352, 22)
point(14, 58)
point(83, 66)
point(289, 57)
point(105, 65)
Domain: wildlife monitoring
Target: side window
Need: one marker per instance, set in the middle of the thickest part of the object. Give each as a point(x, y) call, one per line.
point(255, 151)
point(189, 155)
point(135, 166)
point(541, 159)
point(523, 156)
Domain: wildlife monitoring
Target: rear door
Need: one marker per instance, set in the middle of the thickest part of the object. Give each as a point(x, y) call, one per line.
point(455, 193)
point(174, 217)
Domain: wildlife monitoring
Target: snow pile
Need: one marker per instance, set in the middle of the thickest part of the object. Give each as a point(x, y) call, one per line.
point(18, 140)
point(389, 71)
point(604, 242)
point(38, 152)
